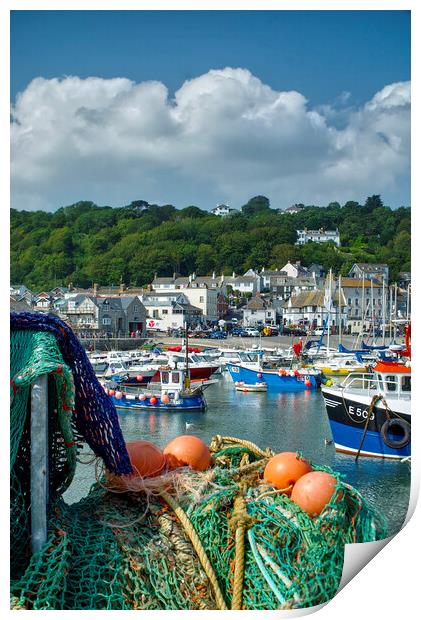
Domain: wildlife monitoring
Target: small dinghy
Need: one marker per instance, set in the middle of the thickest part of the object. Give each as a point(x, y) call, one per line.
point(260, 386)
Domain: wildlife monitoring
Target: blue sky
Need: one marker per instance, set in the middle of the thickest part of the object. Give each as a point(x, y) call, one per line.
point(336, 60)
point(319, 53)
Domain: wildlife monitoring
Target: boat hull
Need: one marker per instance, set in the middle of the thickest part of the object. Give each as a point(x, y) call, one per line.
point(273, 380)
point(348, 419)
point(186, 403)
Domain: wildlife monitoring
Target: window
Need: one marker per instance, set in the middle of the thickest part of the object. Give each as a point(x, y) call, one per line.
point(391, 383)
point(165, 312)
point(106, 320)
point(135, 308)
point(155, 314)
point(176, 377)
point(406, 384)
point(165, 377)
point(201, 299)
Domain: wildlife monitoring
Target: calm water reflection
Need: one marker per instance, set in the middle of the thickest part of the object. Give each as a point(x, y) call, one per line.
point(292, 422)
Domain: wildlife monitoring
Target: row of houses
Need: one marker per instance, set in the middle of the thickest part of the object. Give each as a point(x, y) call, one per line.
point(354, 304)
point(290, 295)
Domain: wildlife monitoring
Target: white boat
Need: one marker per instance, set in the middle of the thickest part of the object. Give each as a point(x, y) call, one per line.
point(260, 386)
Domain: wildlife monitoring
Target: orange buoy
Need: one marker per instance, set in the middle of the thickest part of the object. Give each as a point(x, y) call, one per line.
point(188, 450)
point(119, 395)
point(139, 378)
point(284, 469)
point(165, 399)
point(111, 392)
point(146, 458)
point(313, 491)
point(153, 400)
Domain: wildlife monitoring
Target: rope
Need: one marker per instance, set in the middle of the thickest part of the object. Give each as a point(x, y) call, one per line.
point(239, 523)
point(218, 440)
point(198, 547)
point(374, 400)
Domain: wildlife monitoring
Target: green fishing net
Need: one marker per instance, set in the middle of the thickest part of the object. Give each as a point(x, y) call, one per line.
point(132, 550)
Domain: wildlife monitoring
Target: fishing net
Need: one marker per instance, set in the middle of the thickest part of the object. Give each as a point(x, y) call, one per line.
point(219, 539)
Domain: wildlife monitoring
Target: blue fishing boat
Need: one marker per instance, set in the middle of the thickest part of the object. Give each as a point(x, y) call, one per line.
point(370, 413)
point(176, 394)
point(282, 380)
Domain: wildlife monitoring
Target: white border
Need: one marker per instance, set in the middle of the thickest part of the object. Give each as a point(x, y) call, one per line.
point(387, 587)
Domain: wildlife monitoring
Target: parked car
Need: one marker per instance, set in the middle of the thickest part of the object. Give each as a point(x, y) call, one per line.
point(218, 335)
point(238, 331)
point(252, 331)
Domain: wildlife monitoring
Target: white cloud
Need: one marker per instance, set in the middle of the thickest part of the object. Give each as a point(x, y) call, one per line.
point(224, 136)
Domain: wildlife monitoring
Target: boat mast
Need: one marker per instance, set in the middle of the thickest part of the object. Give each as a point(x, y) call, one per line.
point(340, 309)
point(383, 311)
point(363, 307)
point(407, 302)
point(390, 311)
point(395, 310)
point(186, 340)
point(329, 310)
point(372, 310)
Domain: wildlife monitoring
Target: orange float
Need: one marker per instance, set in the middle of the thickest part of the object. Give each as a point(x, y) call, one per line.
point(165, 399)
point(146, 458)
point(188, 450)
point(153, 400)
point(284, 469)
point(313, 491)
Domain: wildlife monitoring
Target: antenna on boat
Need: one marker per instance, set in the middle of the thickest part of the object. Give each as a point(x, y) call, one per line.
point(187, 377)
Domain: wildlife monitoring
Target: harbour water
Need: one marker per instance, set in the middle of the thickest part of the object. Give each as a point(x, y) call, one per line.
point(282, 421)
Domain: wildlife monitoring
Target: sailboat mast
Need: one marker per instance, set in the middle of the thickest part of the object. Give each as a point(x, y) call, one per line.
point(372, 310)
point(383, 311)
point(187, 378)
point(363, 306)
point(329, 310)
point(395, 310)
point(340, 309)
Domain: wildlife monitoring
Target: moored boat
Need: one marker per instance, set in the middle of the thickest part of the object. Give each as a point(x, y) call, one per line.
point(370, 413)
point(175, 394)
point(282, 379)
point(260, 386)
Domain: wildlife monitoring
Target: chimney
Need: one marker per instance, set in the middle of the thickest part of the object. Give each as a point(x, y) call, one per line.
point(222, 277)
point(213, 275)
point(194, 276)
point(190, 278)
point(122, 287)
point(95, 289)
point(233, 274)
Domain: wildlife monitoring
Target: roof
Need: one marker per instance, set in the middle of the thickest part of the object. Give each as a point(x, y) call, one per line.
point(18, 305)
point(163, 281)
point(370, 265)
point(311, 298)
point(240, 279)
point(255, 303)
point(359, 283)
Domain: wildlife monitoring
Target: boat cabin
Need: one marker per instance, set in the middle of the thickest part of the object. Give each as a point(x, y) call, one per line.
point(391, 379)
point(172, 379)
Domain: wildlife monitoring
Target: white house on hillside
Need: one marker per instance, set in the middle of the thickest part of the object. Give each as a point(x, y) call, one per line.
point(318, 236)
point(223, 210)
